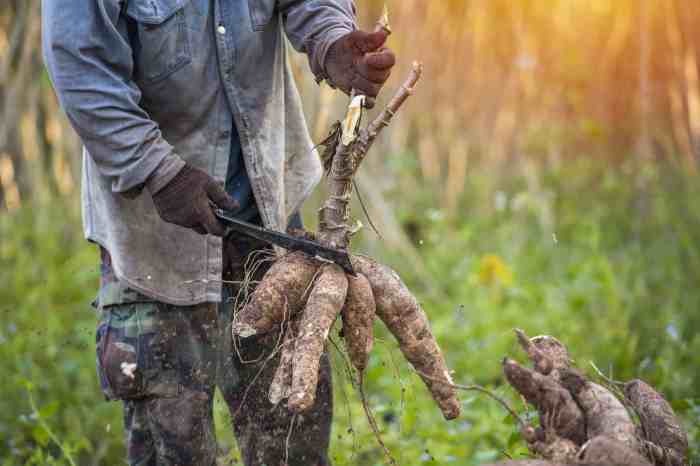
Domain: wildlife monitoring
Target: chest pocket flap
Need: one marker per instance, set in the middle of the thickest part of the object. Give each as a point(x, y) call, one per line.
point(153, 11)
point(160, 39)
point(261, 12)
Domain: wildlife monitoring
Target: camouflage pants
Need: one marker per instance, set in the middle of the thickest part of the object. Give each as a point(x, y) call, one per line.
point(164, 362)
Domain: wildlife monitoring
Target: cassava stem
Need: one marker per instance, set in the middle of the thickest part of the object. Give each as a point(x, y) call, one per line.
point(334, 215)
point(368, 135)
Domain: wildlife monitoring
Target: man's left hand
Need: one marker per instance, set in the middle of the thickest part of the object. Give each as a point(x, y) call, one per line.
point(359, 61)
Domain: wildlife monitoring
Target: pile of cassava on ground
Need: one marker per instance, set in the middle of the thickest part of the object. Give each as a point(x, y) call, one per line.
point(582, 422)
point(304, 295)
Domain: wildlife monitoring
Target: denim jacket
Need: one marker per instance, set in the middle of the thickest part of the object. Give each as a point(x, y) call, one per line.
point(151, 84)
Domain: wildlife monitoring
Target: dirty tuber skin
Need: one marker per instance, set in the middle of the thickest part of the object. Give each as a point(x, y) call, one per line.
point(358, 318)
point(279, 296)
point(326, 298)
point(582, 422)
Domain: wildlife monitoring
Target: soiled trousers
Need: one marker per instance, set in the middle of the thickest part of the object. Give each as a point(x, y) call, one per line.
point(164, 363)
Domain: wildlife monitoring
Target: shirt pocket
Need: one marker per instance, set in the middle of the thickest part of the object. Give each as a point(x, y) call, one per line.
point(261, 13)
point(160, 33)
point(132, 360)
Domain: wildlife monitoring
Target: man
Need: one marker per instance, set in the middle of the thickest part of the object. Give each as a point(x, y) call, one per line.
point(183, 105)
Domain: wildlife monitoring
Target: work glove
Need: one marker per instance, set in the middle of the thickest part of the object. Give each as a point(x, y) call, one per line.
point(359, 60)
point(189, 198)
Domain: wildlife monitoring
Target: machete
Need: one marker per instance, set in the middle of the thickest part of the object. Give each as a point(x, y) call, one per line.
point(288, 242)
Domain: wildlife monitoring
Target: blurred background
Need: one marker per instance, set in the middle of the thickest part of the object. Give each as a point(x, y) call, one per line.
point(543, 176)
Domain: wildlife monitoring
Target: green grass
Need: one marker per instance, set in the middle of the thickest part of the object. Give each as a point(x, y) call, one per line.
point(574, 252)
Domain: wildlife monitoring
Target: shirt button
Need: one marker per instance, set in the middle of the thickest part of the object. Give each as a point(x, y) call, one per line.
point(221, 30)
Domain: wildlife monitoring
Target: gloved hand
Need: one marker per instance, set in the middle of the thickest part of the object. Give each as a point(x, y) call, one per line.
point(187, 200)
point(359, 60)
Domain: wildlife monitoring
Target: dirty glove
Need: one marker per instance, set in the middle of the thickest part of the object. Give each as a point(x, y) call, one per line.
point(187, 200)
point(359, 60)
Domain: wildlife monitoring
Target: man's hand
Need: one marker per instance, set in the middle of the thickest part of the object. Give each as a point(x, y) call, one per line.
point(359, 61)
point(187, 201)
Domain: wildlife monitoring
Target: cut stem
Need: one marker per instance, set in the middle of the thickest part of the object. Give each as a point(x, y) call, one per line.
point(334, 216)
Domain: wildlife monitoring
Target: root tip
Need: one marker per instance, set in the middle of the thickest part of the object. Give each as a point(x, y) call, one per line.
point(299, 402)
point(244, 330)
point(451, 409)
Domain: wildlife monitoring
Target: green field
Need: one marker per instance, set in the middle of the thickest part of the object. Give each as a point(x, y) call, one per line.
point(574, 252)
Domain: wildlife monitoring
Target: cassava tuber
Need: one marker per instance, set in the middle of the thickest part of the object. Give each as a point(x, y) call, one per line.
point(582, 422)
point(358, 317)
point(322, 308)
point(281, 385)
point(659, 422)
point(278, 297)
point(406, 320)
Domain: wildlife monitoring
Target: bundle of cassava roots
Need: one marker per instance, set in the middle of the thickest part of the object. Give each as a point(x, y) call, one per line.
point(304, 295)
point(583, 422)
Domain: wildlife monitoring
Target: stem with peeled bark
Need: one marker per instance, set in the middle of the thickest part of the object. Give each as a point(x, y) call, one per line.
point(334, 216)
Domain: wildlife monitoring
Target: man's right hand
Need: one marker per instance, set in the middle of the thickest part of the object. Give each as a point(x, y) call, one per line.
point(187, 200)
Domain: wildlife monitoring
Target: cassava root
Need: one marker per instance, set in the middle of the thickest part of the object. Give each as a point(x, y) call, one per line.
point(583, 422)
point(322, 308)
point(406, 320)
point(659, 422)
point(606, 416)
point(556, 405)
point(375, 289)
point(281, 385)
point(358, 318)
point(278, 297)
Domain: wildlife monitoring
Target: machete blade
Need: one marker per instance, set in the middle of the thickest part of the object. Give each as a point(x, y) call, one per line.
point(288, 242)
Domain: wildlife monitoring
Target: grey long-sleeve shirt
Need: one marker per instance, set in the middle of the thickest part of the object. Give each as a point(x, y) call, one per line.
point(152, 84)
